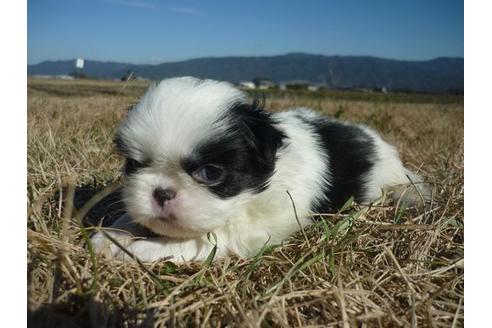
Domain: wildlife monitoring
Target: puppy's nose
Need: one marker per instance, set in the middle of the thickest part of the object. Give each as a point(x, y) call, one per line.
point(162, 195)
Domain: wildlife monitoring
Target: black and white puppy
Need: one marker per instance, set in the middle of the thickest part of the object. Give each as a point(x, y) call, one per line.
point(200, 158)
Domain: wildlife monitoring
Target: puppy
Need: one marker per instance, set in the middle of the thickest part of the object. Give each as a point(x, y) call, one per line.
point(204, 168)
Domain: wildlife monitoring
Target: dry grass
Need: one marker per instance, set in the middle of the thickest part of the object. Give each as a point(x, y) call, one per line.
point(364, 267)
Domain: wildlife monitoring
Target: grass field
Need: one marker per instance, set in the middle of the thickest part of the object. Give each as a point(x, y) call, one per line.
point(375, 267)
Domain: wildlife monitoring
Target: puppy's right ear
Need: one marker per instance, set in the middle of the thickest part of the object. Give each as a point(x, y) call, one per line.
point(260, 131)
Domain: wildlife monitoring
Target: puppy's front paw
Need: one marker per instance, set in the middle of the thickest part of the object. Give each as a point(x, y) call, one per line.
point(104, 246)
point(146, 250)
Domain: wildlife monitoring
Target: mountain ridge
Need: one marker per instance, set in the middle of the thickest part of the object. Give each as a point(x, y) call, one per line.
point(441, 74)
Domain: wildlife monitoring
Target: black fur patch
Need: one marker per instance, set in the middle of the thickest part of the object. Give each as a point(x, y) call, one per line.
point(351, 156)
point(247, 151)
point(131, 165)
point(120, 145)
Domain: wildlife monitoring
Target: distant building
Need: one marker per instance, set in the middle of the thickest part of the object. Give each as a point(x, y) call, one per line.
point(295, 85)
point(321, 86)
point(263, 84)
point(317, 87)
point(364, 90)
point(62, 77)
point(303, 85)
point(247, 85)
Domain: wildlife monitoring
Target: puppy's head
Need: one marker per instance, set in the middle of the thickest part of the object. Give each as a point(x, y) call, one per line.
point(196, 153)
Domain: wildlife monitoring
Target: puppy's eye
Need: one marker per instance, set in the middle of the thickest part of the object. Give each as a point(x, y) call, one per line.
point(209, 174)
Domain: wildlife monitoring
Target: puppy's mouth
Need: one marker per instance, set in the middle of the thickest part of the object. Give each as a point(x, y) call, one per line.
point(170, 218)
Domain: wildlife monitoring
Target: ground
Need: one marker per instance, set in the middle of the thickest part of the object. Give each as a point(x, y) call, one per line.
point(368, 267)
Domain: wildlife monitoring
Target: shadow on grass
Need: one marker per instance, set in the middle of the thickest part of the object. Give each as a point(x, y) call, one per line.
point(105, 211)
point(80, 311)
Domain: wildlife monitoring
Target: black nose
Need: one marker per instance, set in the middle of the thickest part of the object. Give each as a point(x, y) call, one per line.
point(161, 195)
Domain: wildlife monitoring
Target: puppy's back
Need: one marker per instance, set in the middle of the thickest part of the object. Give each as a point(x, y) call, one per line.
point(359, 163)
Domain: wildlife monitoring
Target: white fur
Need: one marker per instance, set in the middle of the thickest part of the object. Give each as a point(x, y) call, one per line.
point(390, 175)
point(175, 116)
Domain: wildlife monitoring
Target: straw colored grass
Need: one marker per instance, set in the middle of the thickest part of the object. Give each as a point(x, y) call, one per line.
point(368, 267)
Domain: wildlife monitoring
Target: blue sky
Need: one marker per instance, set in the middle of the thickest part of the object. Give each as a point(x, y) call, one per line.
point(155, 31)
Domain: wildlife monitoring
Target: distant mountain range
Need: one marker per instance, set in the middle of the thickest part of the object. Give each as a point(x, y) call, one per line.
point(436, 75)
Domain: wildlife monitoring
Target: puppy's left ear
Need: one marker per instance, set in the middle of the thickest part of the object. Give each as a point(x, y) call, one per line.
point(260, 131)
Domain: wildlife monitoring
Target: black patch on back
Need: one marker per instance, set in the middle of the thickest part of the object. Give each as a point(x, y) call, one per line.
point(351, 155)
point(247, 151)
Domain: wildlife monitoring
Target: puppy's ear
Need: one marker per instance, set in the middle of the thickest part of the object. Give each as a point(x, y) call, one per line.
point(260, 131)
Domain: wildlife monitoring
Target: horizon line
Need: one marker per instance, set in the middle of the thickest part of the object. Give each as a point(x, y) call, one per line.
point(243, 56)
